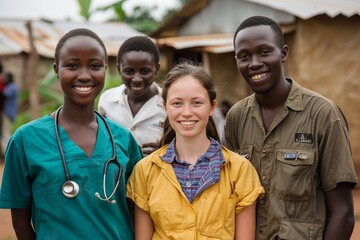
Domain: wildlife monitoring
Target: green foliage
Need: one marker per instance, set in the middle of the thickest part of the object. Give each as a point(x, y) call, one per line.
point(118, 9)
point(142, 20)
point(145, 27)
point(85, 8)
point(51, 96)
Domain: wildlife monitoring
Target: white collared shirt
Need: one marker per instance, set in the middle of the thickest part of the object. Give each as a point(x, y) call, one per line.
point(146, 126)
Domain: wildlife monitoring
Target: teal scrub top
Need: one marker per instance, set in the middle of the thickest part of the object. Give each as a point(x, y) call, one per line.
point(34, 174)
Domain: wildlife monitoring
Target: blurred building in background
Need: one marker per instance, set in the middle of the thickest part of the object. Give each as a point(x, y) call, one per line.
point(15, 44)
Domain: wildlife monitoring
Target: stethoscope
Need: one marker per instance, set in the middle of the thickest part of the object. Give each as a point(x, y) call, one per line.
point(70, 188)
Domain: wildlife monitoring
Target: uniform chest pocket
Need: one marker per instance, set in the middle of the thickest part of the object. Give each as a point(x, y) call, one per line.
point(295, 169)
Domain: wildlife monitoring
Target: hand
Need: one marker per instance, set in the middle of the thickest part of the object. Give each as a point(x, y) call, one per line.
point(148, 148)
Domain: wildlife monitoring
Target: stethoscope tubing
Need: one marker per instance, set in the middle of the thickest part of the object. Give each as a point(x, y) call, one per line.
point(60, 144)
point(73, 186)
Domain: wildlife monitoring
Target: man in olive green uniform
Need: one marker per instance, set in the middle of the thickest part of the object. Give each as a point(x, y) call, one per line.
point(297, 140)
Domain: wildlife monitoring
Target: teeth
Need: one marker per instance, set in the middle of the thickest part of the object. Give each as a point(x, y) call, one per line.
point(137, 88)
point(83, 89)
point(187, 123)
point(258, 76)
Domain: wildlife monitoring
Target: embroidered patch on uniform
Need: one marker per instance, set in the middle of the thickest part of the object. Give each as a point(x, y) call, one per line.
point(304, 138)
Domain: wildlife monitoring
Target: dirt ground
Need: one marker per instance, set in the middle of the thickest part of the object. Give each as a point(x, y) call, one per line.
point(7, 232)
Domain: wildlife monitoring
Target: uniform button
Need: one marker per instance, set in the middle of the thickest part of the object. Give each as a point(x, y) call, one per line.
point(264, 151)
point(262, 201)
point(133, 128)
point(191, 167)
point(188, 184)
point(264, 177)
point(260, 230)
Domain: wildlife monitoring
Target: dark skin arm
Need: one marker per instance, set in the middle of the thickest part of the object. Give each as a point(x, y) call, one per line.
point(340, 211)
point(131, 207)
point(21, 221)
point(148, 148)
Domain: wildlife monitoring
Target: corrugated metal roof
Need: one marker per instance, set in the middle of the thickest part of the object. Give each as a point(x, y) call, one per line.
point(306, 9)
point(213, 43)
point(196, 41)
point(14, 35)
point(303, 9)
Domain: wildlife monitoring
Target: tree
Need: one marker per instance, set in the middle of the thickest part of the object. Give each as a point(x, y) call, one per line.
point(140, 19)
point(118, 9)
point(85, 8)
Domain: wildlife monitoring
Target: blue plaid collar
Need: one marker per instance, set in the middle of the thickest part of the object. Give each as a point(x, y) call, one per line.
point(170, 154)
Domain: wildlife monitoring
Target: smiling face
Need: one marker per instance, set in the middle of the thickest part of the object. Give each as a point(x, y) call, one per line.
point(188, 107)
point(137, 70)
point(81, 70)
point(259, 58)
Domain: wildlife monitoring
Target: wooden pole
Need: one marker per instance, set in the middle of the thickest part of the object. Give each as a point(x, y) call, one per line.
point(31, 76)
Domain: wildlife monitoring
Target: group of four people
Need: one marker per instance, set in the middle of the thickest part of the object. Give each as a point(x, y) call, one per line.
point(76, 174)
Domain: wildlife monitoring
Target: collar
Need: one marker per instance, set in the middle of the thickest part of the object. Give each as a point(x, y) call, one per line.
point(156, 157)
point(170, 154)
point(294, 99)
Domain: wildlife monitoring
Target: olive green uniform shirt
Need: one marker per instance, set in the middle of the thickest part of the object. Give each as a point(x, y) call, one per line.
point(305, 152)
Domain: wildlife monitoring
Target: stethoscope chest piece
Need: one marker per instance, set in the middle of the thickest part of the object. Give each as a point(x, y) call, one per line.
point(70, 189)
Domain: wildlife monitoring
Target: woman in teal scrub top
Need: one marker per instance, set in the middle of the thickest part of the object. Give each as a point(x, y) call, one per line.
point(71, 146)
